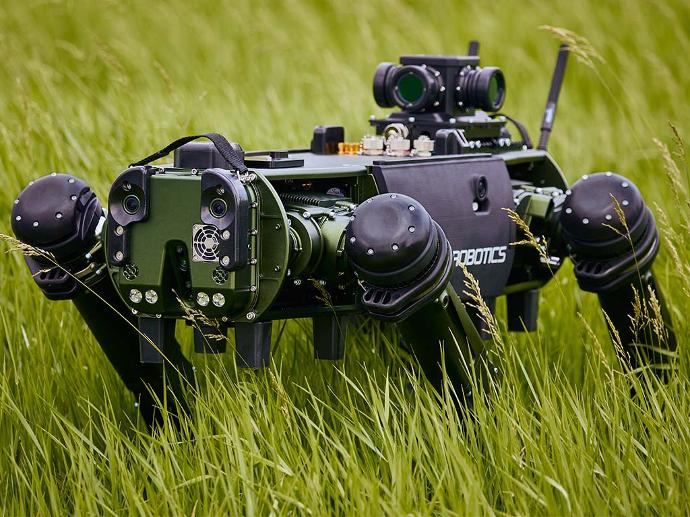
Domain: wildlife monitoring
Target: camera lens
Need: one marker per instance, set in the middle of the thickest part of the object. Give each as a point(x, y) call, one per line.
point(415, 88)
point(482, 88)
point(131, 204)
point(410, 88)
point(218, 208)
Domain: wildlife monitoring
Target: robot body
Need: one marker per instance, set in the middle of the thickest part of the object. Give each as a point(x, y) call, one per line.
point(385, 227)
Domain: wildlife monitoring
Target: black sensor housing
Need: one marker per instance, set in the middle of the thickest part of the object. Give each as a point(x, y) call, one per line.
point(453, 85)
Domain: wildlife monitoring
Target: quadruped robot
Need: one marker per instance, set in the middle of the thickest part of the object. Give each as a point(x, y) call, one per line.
point(385, 226)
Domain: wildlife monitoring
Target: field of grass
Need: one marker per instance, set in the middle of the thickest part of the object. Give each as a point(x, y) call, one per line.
point(87, 87)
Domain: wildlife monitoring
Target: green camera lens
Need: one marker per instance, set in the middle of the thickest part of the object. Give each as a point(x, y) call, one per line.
point(415, 88)
point(410, 87)
point(482, 88)
point(218, 208)
point(495, 91)
point(131, 204)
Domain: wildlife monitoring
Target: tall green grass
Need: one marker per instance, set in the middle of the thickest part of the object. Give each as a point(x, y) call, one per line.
point(86, 87)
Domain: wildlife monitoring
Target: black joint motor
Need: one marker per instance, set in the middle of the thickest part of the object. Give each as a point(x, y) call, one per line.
point(399, 252)
point(610, 232)
point(59, 215)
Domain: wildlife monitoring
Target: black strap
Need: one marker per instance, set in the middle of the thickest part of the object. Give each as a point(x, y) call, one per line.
point(218, 140)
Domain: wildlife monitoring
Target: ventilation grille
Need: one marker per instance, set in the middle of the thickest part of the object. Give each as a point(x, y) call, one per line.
point(205, 243)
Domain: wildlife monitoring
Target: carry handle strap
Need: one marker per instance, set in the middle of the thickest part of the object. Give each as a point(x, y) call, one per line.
point(218, 140)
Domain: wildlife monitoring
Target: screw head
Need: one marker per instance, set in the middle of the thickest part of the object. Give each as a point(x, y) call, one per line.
point(202, 298)
point(119, 256)
point(218, 299)
point(251, 315)
point(151, 296)
point(119, 230)
point(225, 260)
point(135, 295)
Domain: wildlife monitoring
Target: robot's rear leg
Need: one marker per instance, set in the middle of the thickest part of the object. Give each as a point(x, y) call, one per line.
point(613, 240)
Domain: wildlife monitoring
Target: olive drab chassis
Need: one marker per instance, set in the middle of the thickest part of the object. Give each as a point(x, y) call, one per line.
point(234, 240)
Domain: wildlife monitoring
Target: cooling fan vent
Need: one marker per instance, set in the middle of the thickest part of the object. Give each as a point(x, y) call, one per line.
point(205, 243)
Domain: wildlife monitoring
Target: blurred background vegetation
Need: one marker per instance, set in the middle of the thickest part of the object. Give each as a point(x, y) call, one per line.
point(86, 87)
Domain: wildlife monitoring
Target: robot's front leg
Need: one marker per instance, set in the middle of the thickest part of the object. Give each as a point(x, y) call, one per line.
point(612, 239)
point(61, 215)
point(404, 263)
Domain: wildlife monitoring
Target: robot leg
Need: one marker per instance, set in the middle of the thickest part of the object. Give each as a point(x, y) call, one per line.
point(404, 262)
point(61, 215)
point(612, 240)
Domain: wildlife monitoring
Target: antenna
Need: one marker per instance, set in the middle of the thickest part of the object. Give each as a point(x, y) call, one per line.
point(552, 101)
point(473, 50)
